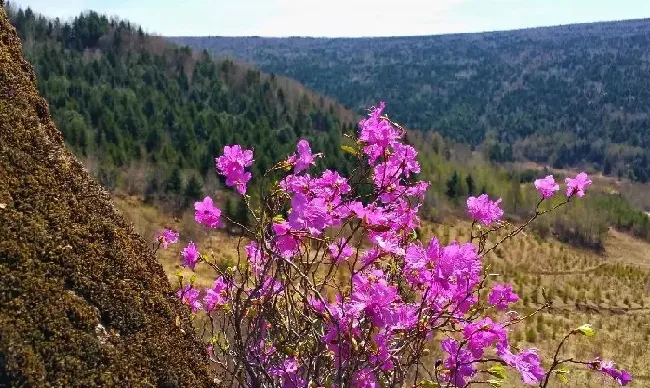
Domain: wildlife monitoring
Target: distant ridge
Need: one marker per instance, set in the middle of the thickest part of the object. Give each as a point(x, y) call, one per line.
point(575, 95)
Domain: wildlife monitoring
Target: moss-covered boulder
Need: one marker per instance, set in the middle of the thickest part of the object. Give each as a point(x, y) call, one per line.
point(82, 300)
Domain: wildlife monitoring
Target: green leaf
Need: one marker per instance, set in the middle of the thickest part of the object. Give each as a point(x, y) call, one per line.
point(428, 384)
point(587, 330)
point(278, 219)
point(350, 150)
point(498, 371)
point(562, 377)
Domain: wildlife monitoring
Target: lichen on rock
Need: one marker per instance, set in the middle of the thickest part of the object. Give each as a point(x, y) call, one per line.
point(82, 300)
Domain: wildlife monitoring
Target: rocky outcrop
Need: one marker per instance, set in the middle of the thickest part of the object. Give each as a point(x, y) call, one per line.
point(82, 300)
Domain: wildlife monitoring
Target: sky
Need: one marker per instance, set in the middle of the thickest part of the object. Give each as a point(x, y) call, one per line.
point(337, 18)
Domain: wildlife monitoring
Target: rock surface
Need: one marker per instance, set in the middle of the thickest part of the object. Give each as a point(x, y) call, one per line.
point(82, 300)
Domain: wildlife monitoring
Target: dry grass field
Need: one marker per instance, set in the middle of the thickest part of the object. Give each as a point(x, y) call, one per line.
point(610, 290)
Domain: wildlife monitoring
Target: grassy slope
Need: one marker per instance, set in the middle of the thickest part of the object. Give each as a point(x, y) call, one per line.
point(608, 290)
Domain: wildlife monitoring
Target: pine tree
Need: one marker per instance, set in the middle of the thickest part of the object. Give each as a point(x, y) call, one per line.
point(470, 184)
point(452, 186)
point(193, 189)
point(174, 183)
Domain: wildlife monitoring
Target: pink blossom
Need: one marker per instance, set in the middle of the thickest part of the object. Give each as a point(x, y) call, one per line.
point(190, 255)
point(232, 165)
point(340, 250)
point(608, 368)
point(381, 356)
point(269, 287)
point(166, 237)
point(207, 214)
point(377, 133)
point(501, 296)
point(458, 363)
point(285, 243)
point(288, 370)
point(482, 334)
point(304, 158)
point(400, 291)
point(365, 378)
point(216, 296)
point(331, 184)
point(526, 362)
point(483, 210)
point(405, 157)
point(546, 186)
point(256, 257)
point(403, 317)
point(189, 296)
point(310, 214)
point(577, 185)
point(374, 295)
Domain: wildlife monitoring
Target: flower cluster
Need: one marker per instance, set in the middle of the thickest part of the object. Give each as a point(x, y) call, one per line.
point(304, 158)
point(166, 237)
point(502, 296)
point(577, 185)
point(483, 210)
point(608, 368)
point(574, 186)
point(547, 186)
point(339, 289)
point(232, 165)
point(207, 214)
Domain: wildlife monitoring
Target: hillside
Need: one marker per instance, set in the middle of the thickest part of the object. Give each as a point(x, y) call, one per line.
point(148, 117)
point(83, 302)
point(574, 95)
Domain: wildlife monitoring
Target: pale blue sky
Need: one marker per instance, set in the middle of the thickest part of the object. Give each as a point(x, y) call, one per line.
point(345, 17)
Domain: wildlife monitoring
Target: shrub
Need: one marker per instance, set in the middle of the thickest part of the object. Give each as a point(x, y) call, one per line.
point(336, 288)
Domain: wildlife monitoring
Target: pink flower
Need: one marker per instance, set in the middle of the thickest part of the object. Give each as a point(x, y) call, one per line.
point(340, 250)
point(190, 296)
point(256, 258)
point(304, 159)
point(577, 185)
point(377, 133)
point(365, 378)
point(206, 213)
point(608, 368)
point(482, 334)
point(232, 164)
point(216, 296)
point(285, 243)
point(405, 156)
point(308, 214)
point(166, 237)
point(526, 362)
point(501, 296)
point(483, 210)
point(190, 255)
point(374, 295)
point(546, 186)
point(459, 363)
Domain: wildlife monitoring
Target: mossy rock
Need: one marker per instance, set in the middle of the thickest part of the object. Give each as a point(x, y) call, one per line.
point(82, 300)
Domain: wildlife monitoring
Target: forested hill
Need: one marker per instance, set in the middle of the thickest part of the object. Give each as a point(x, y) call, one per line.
point(128, 101)
point(567, 96)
